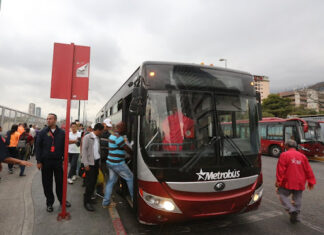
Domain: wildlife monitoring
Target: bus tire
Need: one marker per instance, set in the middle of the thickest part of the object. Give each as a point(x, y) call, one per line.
point(275, 150)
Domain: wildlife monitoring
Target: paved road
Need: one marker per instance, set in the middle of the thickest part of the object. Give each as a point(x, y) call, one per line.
point(269, 219)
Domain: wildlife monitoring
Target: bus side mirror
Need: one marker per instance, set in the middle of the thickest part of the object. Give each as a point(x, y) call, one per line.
point(258, 97)
point(138, 102)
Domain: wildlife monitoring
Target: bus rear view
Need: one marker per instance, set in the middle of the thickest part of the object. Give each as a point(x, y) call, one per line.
point(192, 160)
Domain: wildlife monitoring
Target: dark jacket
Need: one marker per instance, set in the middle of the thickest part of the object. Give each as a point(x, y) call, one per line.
point(104, 141)
point(44, 144)
point(3, 150)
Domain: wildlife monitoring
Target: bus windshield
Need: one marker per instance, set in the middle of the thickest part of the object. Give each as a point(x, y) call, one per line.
point(180, 124)
point(313, 133)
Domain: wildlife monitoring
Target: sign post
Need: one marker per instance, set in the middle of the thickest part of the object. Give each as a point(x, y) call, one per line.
point(70, 80)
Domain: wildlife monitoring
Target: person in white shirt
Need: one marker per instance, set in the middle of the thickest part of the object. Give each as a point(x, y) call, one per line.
point(74, 151)
point(32, 130)
point(90, 159)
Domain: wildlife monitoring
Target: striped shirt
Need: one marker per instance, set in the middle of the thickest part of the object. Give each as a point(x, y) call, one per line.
point(116, 154)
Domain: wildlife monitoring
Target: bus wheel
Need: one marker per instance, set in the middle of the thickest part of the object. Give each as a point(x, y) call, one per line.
point(275, 150)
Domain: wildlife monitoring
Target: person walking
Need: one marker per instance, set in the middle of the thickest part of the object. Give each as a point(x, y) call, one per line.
point(49, 156)
point(74, 151)
point(293, 170)
point(23, 147)
point(116, 163)
point(12, 141)
point(90, 159)
point(4, 156)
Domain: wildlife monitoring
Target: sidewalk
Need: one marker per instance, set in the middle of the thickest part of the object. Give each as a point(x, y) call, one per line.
point(23, 208)
point(81, 222)
point(16, 205)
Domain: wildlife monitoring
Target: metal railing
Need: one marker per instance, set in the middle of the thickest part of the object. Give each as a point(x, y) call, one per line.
point(9, 116)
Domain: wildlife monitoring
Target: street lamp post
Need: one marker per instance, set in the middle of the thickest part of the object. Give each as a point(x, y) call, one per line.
point(225, 61)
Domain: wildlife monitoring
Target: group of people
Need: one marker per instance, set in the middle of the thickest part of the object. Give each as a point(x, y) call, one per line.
point(102, 146)
point(18, 146)
point(105, 146)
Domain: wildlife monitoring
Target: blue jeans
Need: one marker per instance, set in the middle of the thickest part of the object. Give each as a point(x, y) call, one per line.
point(123, 171)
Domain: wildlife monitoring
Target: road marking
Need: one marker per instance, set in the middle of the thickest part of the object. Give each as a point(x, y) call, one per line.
point(303, 221)
point(118, 225)
point(28, 224)
point(258, 217)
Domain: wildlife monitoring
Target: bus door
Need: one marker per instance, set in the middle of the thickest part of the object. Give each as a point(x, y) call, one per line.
point(290, 132)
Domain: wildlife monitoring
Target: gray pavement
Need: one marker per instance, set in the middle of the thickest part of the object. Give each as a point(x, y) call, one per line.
point(23, 208)
point(81, 222)
point(16, 205)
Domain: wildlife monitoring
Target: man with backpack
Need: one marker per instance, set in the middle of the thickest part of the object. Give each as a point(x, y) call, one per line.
point(24, 148)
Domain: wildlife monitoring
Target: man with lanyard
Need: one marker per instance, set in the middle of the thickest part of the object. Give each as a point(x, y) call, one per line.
point(116, 163)
point(4, 156)
point(49, 156)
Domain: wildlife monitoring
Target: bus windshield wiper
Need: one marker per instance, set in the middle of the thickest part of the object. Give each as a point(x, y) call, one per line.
point(148, 144)
point(238, 150)
point(198, 155)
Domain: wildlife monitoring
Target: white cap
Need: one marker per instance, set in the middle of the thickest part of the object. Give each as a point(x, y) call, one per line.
point(107, 121)
point(92, 125)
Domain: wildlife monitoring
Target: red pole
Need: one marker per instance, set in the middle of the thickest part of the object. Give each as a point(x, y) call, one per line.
point(64, 214)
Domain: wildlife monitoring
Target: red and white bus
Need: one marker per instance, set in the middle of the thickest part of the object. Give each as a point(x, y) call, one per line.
point(186, 164)
point(307, 133)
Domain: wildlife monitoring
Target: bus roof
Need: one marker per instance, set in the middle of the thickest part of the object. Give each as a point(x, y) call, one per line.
point(195, 65)
point(125, 84)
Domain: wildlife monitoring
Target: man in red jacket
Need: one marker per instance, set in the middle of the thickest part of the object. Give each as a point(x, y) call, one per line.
point(293, 170)
point(175, 128)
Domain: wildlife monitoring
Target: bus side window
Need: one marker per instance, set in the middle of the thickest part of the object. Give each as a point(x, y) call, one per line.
point(289, 133)
point(275, 132)
point(263, 131)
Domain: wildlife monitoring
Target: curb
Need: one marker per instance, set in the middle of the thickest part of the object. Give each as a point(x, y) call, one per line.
point(28, 224)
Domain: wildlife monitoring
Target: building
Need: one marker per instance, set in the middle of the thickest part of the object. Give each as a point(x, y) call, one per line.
point(31, 108)
point(38, 111)
point(262, 85)
point(305, 98)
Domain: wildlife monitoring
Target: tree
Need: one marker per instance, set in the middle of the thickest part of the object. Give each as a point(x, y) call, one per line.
point(303, 111)
point(266, 114)
point(277, 106)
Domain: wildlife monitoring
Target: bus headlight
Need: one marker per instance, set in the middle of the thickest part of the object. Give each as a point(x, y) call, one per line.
point(160, 203)
point(168, 206)
point(256, 195)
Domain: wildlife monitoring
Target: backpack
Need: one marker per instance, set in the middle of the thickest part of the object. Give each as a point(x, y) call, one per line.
point(22, 143)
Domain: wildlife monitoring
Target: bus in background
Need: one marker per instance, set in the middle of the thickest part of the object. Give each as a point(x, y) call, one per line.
point(307, 133)
point(186, 164)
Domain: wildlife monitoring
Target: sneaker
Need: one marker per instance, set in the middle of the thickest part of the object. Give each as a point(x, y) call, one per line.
point(67, 204)
point(74, 177)
point(10, 171)
point(49, 208)
point(111, 204)
point(293, 217)
point(70, 181)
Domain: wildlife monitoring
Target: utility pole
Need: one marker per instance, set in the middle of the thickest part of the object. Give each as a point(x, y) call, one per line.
point(79, 110)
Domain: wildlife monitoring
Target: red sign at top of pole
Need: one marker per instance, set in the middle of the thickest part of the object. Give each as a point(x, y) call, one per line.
point(70, 62)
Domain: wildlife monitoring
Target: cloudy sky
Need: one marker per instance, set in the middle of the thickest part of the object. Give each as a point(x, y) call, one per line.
point(280, 39)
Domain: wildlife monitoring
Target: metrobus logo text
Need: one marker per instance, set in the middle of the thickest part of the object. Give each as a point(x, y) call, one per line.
point(218, 175)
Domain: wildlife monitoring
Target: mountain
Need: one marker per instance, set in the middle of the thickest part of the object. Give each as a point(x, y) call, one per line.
point(318, 86)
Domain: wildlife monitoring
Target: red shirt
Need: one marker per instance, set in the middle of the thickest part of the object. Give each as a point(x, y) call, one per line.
point(176, 127)
point(293, 170)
